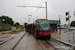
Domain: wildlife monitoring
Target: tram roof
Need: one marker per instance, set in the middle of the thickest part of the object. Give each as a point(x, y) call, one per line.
point(54, 21)
point(42, 19)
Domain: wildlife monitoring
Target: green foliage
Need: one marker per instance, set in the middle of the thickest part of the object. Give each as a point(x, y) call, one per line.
point(6, 19)
point(16, 24)
point(6, 27)
point(73, 24)
point(25, 24)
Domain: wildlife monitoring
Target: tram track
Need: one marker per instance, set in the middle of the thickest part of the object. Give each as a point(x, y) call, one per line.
point(26, 41)
point(58, 45)
point(45, 45)
point(18, 41)
point(51, 45)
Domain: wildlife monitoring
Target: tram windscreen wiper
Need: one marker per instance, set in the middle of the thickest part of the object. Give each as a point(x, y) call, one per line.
point(40, 26)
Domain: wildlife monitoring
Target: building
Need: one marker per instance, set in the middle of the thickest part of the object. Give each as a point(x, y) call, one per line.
point(54, 24)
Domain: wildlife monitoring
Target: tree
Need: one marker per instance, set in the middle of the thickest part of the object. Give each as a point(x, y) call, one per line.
point(72, 24)
point(0, 19)
point(3, 19)
point(6, 19)
point(16, 24)
point(25, 24)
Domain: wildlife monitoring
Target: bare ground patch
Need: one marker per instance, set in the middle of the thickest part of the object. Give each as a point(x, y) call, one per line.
point(13, 32)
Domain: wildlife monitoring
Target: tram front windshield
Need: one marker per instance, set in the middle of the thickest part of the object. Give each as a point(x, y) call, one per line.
point(44, 26)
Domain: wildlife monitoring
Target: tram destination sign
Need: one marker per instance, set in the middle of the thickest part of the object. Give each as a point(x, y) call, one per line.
point(42, 20)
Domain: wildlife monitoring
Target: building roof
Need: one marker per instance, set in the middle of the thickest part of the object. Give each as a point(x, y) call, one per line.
point(54, 21)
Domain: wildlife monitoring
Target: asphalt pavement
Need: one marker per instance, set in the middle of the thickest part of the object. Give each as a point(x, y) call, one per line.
point(65, 37)
point(11, 43)
point(29, 42)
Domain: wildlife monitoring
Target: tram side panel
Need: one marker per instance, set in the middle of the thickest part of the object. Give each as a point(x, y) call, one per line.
point(29, 28)
point(35, 29)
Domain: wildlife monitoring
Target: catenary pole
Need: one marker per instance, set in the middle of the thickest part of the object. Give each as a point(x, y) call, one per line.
point(46, 9)
point(37, 7)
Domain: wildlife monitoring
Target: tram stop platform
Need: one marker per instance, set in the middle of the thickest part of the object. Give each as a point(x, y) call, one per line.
point(65, 38)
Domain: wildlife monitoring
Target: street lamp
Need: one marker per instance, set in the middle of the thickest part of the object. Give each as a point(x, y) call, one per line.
point(3, 23)
point(59, 26)
point(46, 9)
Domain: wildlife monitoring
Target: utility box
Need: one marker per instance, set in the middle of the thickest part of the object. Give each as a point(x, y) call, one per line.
point(14, 29)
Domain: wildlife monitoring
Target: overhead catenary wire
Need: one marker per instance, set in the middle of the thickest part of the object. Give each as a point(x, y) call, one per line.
point(25, 7)
point(41, 4)
point(38, 7)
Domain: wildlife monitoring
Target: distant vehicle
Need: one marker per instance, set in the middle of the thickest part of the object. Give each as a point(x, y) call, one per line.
point(61, 27)
point(40, 28)
point(57, 27)
point(72, 28)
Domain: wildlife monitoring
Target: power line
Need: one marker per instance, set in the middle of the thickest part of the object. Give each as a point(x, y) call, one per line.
point(40, 2)
point(38, 8)
point(43, 2)
point(39, 5)
point(25, 5)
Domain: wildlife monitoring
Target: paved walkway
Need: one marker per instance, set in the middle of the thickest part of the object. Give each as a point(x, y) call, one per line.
point(64, 37)
point(5, 37)
point(4, 32)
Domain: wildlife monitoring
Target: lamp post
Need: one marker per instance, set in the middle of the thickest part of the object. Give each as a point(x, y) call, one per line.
point(46, 9)
point(59, 26)
point(3, 23)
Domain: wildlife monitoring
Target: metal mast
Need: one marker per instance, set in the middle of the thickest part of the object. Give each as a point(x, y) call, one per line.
point(37, 7)
point(46, 10)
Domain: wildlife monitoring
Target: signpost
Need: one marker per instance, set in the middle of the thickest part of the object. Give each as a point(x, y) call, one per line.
point(69, 24)
point(68, 19)
point(59, 26)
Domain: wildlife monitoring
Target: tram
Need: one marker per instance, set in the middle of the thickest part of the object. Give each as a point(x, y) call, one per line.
point(40, 28)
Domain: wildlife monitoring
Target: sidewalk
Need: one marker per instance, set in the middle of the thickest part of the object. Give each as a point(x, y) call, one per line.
point(64, 38)
point(4, 32)
point(5, 37)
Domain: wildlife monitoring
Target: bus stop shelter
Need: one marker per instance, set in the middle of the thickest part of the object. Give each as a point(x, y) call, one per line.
point(54, 24)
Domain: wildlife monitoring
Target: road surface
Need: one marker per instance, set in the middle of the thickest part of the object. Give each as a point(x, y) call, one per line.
point(29, 42)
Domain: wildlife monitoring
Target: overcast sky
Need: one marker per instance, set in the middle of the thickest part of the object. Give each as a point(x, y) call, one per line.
point(55, 8)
